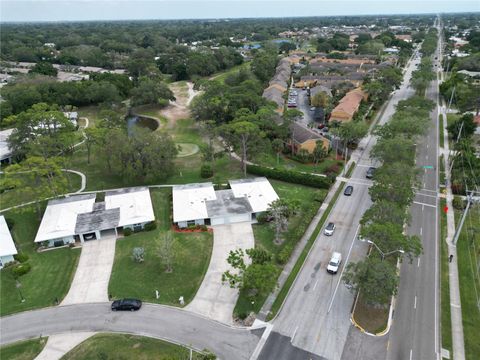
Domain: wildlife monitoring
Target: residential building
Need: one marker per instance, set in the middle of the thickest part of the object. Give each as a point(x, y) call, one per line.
point(348, 106)
point(7, 246)
point(6, 154)
point(200, 204)
point(305, 138)
point(81, 218)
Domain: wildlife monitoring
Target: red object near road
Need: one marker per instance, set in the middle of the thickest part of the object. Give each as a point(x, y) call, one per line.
point(445, 209)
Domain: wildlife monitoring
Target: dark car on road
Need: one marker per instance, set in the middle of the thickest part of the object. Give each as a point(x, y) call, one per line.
point(348, 190)
point(126, 305)
point(370, 173)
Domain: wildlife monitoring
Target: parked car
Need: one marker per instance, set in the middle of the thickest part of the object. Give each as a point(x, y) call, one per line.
point(370, 172)
point(334, 263)
point(329, 229)
point(126, 305)
point(348, 190)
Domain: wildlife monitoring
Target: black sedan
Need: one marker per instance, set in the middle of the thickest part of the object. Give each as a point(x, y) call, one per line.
point(348, 190)
point(126, 304)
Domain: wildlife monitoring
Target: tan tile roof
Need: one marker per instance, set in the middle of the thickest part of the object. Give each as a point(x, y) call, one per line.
point(350, 102)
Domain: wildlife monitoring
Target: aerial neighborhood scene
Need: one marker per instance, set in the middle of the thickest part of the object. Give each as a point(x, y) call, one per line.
point(239, 180)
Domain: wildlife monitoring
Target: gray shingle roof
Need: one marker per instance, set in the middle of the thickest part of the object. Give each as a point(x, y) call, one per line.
point(97, 220)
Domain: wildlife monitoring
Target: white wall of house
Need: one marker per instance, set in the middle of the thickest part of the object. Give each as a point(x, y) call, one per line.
point(134, 226)
point(66, 240)
point(185, 224)
point(5, 260)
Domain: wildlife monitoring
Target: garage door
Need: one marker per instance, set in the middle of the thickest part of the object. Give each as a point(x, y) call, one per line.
point(217, 221)
point(238, 218)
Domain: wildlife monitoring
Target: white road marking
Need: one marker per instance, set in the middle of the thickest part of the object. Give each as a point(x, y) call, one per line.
point(423, 207)
point(343, 268)
point(420, 203)
point(415, 303)
point(314, 286)
point(411, 354)
point(418, 262)
point(421, 231)
point(294, 333)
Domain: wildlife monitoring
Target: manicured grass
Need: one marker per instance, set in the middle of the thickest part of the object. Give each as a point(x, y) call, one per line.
point(350, 170)
point(23, 350)
point(270, 159)
point(221, 76)
point(372, 319)
point(291, 278)
point(468, 252)
point(140, 280)
point(124, 346)
point(51, 273)
point(17, 196)
point(441, 173)
point(444, 283)
point(441, 131)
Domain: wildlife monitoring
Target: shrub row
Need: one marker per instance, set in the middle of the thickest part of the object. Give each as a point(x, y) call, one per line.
point(291, 176)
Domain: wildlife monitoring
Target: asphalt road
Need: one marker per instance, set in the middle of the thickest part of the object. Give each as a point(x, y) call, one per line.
point(163, 322)
point(415, 331)
point(316, 313)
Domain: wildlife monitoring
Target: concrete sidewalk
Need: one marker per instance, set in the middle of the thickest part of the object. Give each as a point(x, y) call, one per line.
point(455, 301)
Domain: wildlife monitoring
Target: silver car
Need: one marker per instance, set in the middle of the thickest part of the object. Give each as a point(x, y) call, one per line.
point(329, 229)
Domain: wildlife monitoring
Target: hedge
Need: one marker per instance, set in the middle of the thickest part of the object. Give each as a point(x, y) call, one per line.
point(291, 176)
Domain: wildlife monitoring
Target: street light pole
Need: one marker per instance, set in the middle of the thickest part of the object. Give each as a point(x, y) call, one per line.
point(385, 254)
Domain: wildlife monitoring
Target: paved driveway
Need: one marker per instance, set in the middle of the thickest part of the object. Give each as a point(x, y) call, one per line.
point(90, 283)
point(214, 299)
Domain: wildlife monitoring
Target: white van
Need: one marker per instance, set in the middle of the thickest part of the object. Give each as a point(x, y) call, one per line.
point(334, 263)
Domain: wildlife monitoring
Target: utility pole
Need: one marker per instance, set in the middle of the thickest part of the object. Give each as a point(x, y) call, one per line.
point(458, 230)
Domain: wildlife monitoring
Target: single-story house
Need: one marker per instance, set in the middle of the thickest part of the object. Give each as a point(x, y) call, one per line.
point(200, 204)
point(72, 116)
point(305, 138)
point(81, 218)
point(348, 106)
point(7, 246)
point(5, 152)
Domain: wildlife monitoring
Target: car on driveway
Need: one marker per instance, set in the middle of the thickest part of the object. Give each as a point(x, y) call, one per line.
point(334, 263)
point(348, 190)
point(329, 229)
point(370, 172)
point(126, 305)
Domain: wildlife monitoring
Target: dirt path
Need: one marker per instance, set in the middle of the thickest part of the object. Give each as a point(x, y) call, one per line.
point(178, 109)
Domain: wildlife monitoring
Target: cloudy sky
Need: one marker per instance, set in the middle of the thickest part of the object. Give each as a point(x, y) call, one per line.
point(50, 10)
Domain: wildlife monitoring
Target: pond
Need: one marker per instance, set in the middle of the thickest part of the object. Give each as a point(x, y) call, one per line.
point(141, 121)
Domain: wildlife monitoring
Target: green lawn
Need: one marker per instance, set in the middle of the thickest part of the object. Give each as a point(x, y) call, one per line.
point(23, 350)
point(126, 347)
point(51, 273)
point(310, 200)
point(270, 159)
point(221, 76)
point(444, 284)
point(193, 250)
point(468, 251)
point(441, 131)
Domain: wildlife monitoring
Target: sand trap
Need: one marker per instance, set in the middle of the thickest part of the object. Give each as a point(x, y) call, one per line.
point(187, 149)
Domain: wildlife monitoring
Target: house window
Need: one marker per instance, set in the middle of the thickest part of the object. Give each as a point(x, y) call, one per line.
point(190, 222)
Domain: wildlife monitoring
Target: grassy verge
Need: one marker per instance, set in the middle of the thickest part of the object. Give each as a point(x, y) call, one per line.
point(51, 271)
point(309, 200)
point(468, 251)
point(441, 131)
point(444, 284)
point(123, 346)
point(350, 170)
point(23, 350)
point(291, 278)
point(441, 174)
point(191, 259)
point(372, 319)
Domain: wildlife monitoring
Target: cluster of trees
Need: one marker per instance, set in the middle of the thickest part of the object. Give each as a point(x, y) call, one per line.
point(465, 165)
point(338, 41)
point(422, 77)
point(264, 63)
point(381, 85)
point(104, 89)
point(392, 193)
point(429, 42)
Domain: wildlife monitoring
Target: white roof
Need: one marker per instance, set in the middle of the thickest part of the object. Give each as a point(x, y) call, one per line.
point(7, 246)
point(135, 205)
point(60, 216)
point(189, 201)
point(5, 151)
point(259, 192)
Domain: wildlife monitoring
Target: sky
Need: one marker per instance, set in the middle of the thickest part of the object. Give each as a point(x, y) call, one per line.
point(82, 10)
